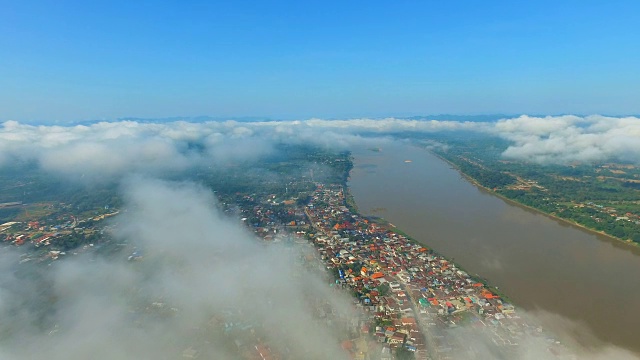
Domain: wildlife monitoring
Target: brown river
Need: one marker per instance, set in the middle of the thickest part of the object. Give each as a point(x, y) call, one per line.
point(538, 262)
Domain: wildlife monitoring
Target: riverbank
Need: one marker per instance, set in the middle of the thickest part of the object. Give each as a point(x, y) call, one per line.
point(403, 284)
point(630, 243)
point(388, 226)
point(542, 264)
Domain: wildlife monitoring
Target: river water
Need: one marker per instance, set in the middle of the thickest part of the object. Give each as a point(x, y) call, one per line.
point(538, 262)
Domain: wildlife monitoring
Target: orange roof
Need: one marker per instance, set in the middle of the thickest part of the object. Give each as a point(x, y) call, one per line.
point(489, 295)
point(377, 275)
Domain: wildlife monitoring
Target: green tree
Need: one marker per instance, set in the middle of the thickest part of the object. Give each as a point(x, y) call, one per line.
point(383, 289)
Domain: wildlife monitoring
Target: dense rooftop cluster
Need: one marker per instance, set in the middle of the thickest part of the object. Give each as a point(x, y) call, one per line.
point(411, 293)
point(57, 231)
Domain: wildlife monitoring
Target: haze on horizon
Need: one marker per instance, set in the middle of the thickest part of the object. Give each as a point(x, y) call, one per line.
point(66, 61)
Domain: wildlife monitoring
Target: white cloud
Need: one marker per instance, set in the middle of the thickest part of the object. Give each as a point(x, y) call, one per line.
point(547, 337)
point(565, 139)
point(199, 271)
point(111, 149)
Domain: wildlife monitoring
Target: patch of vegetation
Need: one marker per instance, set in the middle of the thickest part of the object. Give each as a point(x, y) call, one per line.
point(603, 197)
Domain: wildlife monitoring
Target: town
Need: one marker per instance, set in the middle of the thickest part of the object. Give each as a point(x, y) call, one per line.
point(413, 295)
point(54, 230)
point(410, 301)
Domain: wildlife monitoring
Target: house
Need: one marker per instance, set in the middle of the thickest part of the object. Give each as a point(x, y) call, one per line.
point(397, 338)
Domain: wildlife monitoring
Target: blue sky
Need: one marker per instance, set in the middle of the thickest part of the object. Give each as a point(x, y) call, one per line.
point(75, 60)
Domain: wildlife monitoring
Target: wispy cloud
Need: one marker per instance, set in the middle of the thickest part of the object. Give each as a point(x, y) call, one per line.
point(115, 148)
point(199, 268)
point(564, 139)
point(532, 344)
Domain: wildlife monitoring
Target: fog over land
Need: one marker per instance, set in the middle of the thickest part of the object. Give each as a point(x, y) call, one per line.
point(201, 265)
point(111, 148)
point(199, 268)
point(566, 139)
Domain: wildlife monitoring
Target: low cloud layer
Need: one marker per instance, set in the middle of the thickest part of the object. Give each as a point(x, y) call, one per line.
point(565, 139)
point(200, 273)
point(110, 149)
